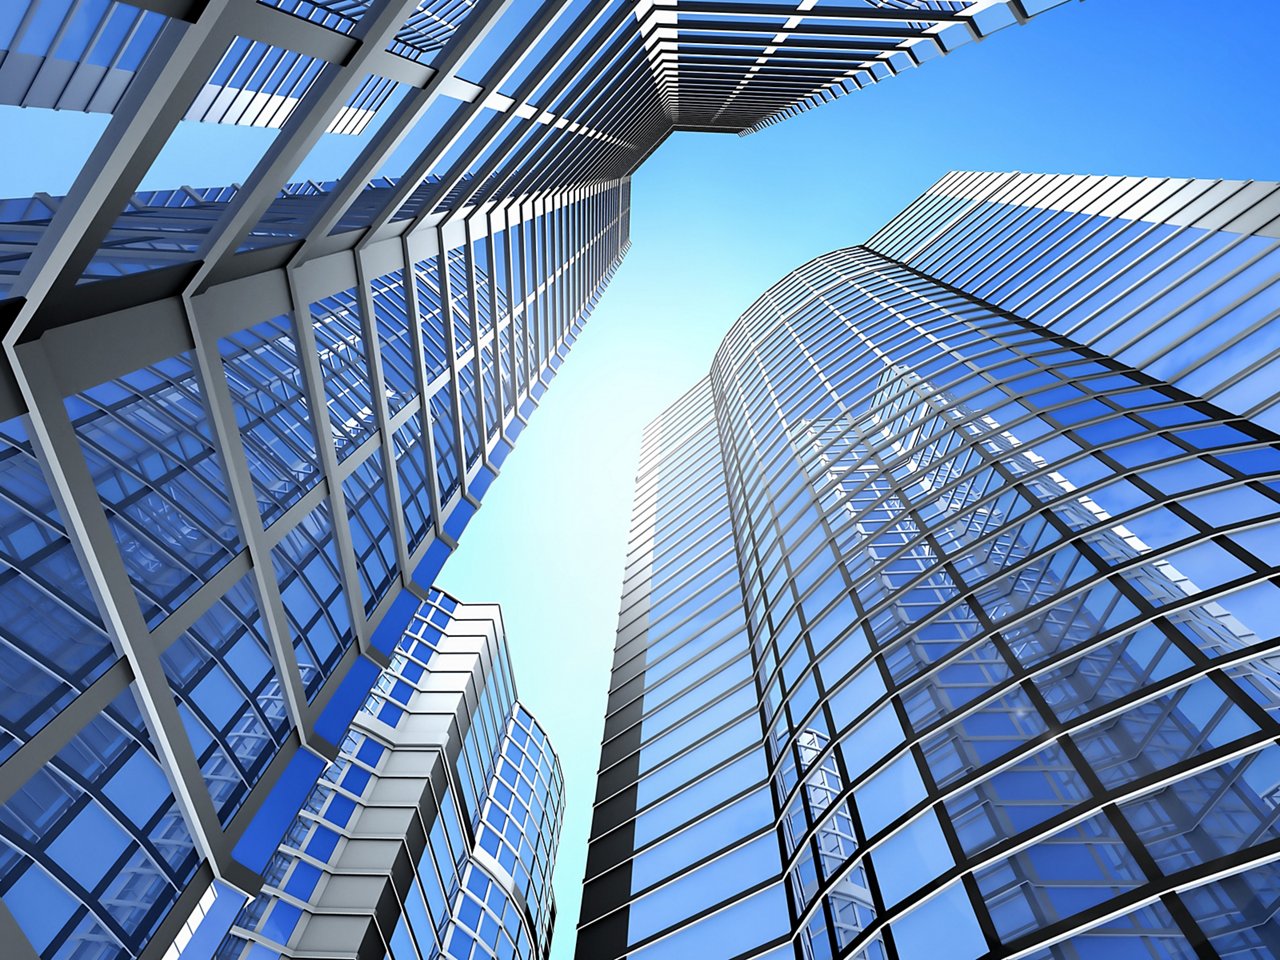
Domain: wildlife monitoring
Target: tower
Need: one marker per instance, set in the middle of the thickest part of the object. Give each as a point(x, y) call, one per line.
point(978, 656)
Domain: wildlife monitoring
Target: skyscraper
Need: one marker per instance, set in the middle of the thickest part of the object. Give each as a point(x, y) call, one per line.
point(436, 828)
point(977, 655)
point(244, 424)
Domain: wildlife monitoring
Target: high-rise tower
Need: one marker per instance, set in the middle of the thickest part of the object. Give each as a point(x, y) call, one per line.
point(976, 653)
point(435, 830)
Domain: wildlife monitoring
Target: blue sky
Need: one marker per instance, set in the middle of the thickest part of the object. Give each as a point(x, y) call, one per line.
point(1145, 87)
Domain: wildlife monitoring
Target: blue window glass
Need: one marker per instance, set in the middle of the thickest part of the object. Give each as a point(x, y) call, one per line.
point(93, 851)
point(1237, 914)
point(943, 927)
point(489, 378)
point(1016, 799)
point(913, 856)
point(1211, 814)
point(427, 284)
point(1150, 930)
point(52, 642)
point(265, 380)
point(460, 298)
point(752, 921)
point(306, 565)
point(483, 308)
point(147, 445)
point(1058, 877)
point(719, 880)
point(446, 443)
point(229, 696)
point(127, 38)
point(889, 792)
point(370, 516)
point(345, 370)
point(470, 403)
point(411, 467)
point(64, 30)
point(1172, 728)
point(399, 367)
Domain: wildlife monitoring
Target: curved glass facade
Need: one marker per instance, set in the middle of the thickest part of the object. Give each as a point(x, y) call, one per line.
point(93, 848)
point(1012, 668)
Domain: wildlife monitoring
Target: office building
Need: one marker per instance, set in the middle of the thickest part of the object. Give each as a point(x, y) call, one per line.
point(245, 423)
point(975, 655)
point(436, 828)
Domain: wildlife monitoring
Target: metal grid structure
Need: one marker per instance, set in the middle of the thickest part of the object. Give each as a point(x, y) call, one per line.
point(977, 656)
point(243, 425)
point(435, 829)
point(1117, 263)
point(735, 66)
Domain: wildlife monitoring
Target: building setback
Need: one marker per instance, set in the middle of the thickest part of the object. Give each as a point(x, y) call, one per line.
point(243, 425)
point(975, 654)
point(436, 828)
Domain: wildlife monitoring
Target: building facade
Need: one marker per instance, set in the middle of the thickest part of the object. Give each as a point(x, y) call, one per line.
point(976, 656)
point(243, 425)
point(434, 832)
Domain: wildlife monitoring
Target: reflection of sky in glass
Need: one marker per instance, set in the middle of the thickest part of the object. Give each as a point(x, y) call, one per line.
point(989, 661)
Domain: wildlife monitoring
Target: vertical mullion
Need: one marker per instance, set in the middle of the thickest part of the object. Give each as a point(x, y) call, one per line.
point(226, 440)
point(377, 384)
point(313, 381)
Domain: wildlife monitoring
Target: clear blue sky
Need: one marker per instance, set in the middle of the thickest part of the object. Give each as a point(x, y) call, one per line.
point(1146, 87)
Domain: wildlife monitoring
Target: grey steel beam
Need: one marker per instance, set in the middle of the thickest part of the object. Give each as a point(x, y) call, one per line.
point(181, 61)
point(518, 177)
point(58, 449)
point(553, 61)
point(225, 435)
point(471, 34)
point(580, 85)
point(423, 165)
point(306, 124)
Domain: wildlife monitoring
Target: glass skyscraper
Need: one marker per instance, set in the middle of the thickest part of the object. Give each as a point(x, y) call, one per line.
point(975, 656)
point(242, 425)
point(434, 831)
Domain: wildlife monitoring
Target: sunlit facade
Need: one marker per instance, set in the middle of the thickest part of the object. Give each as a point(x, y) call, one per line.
point(978, 657)
point(434, 833)
point(244, 423)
